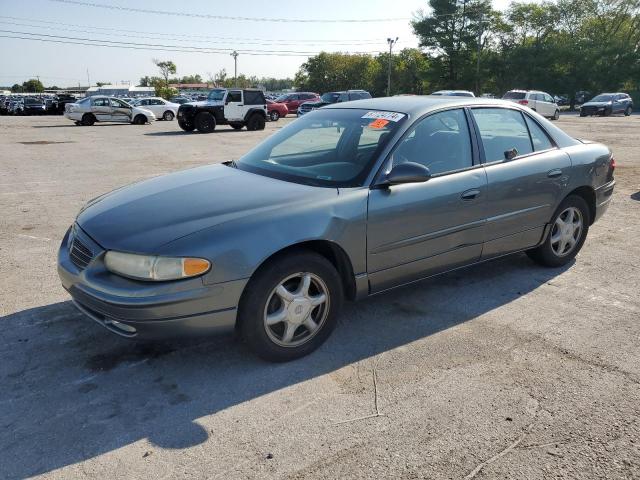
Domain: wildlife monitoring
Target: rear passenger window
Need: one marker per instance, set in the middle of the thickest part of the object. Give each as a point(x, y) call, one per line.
point(538, 136)
point(253, 97)
point(501, 130)
point(441, 142)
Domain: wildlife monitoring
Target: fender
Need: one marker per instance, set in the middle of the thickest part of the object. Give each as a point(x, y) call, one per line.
point(251, 111)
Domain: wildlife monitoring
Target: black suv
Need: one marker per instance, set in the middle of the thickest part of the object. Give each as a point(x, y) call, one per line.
point(234, 107)
point(333, 97)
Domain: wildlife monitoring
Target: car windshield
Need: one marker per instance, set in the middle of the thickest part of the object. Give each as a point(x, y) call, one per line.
point(602, 98)
point(514, 95)
point(282, 98)
point(216, 95)
point(327, 148)
point(331, 97)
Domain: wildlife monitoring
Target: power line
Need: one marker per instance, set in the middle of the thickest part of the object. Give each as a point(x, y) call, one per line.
point(153, 47)
point(182, 38)
point(224, 17)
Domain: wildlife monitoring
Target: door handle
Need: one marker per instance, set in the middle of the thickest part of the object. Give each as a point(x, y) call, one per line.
point(470, 194)
point(554, 173)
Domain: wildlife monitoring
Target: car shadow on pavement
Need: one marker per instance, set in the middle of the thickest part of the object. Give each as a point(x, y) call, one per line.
point(72, 125)
point(195, 132)
point(72, 391)
point(636, 196)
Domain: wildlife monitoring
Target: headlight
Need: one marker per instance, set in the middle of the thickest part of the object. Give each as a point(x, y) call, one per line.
point(143, 267)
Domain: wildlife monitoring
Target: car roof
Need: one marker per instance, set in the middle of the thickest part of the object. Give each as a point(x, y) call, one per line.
point(419, 104)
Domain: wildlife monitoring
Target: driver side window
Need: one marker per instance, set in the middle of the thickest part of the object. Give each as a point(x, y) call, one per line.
point(441, 142)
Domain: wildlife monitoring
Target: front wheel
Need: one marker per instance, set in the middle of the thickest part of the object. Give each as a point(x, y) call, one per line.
point(140, 120)
point(568, 232)
point(274, 116)
point(290, 306)
point(186, 126)
point(628, 111)
point(556, 115)
point(205, 122)
point(88, 119)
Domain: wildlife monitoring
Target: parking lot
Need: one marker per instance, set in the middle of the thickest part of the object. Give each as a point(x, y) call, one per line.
point(503, 370)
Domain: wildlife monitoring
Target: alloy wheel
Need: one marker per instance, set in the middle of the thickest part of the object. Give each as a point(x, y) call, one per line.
point(296, 309)
point(566, 231)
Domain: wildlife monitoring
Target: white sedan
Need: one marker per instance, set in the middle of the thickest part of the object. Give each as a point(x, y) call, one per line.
point(159, 106)
point(90, 110)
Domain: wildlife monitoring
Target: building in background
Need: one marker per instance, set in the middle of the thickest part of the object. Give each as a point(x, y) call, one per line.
point(121, 91)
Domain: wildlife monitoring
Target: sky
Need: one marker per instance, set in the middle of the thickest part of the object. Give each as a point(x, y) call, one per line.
point(190, 25)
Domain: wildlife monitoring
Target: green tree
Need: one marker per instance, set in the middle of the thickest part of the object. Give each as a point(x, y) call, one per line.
point(17, 88)
point(167, 68)
point(336, 71)
point(33, 86)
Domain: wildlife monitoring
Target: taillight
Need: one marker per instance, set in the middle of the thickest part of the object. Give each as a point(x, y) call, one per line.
point(523, 102)
point(612, 167)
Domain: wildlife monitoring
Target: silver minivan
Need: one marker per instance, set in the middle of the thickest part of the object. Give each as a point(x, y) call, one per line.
point(538, 101)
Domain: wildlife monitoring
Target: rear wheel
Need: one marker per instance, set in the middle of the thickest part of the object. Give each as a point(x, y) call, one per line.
point(88, 119)
point(256, 122)
point(568, 232)
point(290, 306)
point(628, 111)
point(168, 116)
point(205, 122)
point(274, 116)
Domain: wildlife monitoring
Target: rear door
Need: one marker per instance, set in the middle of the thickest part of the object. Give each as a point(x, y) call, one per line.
point(101, 109)
point(527, 177)
point(234, 106)
point(120, 111)
point(419, 229)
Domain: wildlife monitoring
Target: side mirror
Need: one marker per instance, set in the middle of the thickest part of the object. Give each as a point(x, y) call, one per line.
point(510, 154)
point(409, 172)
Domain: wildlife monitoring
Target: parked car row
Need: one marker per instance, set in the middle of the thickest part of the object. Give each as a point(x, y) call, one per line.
point(34, 104)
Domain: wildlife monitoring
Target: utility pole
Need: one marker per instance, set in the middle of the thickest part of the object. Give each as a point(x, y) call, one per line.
point(235, 68)
point(391, 43)
point(88, 79)
point(478, 93)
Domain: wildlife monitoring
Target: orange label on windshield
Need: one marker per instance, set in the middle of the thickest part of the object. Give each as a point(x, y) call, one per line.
point(379, 123)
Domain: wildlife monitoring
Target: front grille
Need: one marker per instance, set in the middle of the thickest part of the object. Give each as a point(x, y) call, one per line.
point(80, 254)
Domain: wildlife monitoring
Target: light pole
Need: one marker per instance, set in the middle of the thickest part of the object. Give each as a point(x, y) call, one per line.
point(235, 67)
point(391, 43)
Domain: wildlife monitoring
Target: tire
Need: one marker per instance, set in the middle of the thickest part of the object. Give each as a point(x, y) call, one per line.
point(237, 126)
point(88, 119)
point(256, 122)
point(582, 114)
point(274, 116)
point(547, 253)
point(186, 126)
point(556, 115)
point(628, 111)
point(78, 123)
point(205, 122)
point(292, 337)
point(168, 116)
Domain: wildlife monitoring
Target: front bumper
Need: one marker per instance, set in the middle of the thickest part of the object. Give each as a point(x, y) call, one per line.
point(136, 309)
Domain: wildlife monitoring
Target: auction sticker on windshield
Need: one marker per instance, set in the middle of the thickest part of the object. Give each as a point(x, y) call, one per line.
point(391, 116)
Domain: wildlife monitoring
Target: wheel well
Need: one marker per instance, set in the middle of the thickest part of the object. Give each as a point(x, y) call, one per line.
point(589, 196)
point(333, 253)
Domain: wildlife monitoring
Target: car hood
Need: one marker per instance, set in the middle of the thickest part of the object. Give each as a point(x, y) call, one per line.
point(205, 103)
point(596, 104)
point(142, 217)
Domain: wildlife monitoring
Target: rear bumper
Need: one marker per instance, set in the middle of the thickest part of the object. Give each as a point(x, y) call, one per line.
point(137, 309)
point(604, 195)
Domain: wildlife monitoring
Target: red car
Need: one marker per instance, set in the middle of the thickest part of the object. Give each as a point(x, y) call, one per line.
point(276, 110)
point(293, 100)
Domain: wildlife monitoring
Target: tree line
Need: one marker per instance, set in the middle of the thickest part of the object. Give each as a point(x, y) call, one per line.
point(561, 47)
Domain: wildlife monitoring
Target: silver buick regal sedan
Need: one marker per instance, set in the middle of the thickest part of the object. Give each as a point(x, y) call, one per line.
point(348, 201)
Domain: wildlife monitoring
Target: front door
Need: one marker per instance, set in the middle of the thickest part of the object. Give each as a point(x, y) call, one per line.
point(419, 229)
point(234, 106)
point(120, 111)
point(527, 176)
